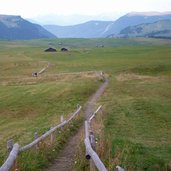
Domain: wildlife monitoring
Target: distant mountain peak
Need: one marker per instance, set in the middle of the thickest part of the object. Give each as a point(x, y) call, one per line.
point(14, 27)
point(9, 16)
point(151, 13)
point(10, 20)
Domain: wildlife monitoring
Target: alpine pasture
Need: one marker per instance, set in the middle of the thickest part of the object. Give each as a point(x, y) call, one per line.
point(135, 128)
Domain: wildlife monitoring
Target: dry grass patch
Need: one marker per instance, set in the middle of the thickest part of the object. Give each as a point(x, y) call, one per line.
point(45, 77)
point(132, 76)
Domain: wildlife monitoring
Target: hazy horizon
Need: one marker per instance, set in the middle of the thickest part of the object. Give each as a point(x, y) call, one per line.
point(65, 20)
point(69, 12)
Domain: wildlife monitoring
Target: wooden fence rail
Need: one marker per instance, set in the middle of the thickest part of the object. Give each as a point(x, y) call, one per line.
point(90, 145)
point(94, 114)
point(44, 69)
point(41, 138)
point(36, 74)
point(10, 163)
point(48, 133)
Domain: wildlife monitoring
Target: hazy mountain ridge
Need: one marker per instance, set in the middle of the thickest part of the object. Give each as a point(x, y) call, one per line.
point(91, 29)
point(17, 28)
point(69, 20)
point(160, 28)
point(133, 19)
point(97, 29)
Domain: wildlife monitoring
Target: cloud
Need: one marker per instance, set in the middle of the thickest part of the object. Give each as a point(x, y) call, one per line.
point(30, 8)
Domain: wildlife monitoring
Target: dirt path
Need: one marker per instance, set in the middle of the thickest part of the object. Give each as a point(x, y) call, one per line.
point(65, 160)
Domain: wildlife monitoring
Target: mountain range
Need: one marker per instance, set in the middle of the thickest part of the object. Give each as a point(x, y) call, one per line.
point(97, 29)
point(91, 29)
point(17, 28)
point(151, 24)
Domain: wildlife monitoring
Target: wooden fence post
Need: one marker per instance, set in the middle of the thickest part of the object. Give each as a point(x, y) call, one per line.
point(102, 75)
point(52, 137)
point(62, 120)
point(35, 137)
point(78, 106)
point(10, 144)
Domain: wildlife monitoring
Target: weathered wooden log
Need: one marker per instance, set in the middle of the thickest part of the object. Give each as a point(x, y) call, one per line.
point(93, 145)
point(86, 129)
point(43, 70)
point(90, 153)
point(98, 163)
point(94, 114)
point(92, 141)
point(87, 136)
point(41, 138)
point(11, 159)
point(10, 163)
point(74, 114)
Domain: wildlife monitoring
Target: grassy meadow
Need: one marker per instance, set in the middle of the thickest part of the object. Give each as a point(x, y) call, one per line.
point(136, 123)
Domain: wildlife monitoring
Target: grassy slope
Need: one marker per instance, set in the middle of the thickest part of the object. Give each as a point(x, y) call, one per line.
point(30, 104)
point(137, 127)
point(137, 107)
point(138, 123)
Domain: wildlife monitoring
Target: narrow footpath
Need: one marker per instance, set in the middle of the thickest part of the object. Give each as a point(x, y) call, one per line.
point(65, 160)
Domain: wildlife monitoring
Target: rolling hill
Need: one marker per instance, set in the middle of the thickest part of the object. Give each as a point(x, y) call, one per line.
point(17, 28)
point(159, 29)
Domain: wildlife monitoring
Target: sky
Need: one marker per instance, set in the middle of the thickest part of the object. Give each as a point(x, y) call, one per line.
point(35, 8)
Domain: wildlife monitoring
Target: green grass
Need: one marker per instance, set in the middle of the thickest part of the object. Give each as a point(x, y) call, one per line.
point(27, 109)
point(137, 102)
point(29, 105)
point(139, 119)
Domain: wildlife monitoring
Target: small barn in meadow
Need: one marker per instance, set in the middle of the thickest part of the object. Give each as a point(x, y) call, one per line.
point(50, 50)
point(64, 49)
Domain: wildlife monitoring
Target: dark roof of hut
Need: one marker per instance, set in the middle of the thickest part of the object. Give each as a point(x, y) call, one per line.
point(64, 49)
point(50, 50)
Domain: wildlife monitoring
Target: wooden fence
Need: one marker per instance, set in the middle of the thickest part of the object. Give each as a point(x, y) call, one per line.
point(44, 69)
point(36, 74)
point(10, 163)
point(90, 145)
point(14, 150)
